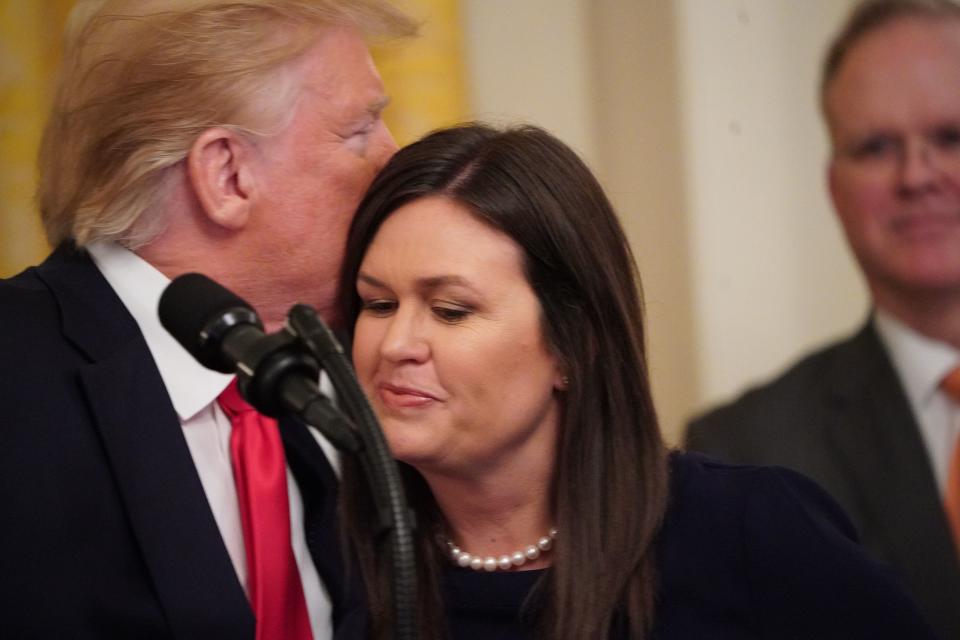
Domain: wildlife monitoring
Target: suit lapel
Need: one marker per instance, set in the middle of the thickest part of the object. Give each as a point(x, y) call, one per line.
point(318, 487)
point(878, 444)
point(165, 502)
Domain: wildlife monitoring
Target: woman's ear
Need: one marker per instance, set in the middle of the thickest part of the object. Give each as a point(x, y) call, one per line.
point(218, 171)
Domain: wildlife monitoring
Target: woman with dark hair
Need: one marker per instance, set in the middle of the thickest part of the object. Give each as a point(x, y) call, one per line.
point(499, 335)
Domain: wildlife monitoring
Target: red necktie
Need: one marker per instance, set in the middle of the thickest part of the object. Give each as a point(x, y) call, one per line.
point(951, 385)
point(260, 473)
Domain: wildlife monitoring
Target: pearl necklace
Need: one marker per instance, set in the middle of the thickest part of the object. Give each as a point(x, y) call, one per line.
point(504, 562)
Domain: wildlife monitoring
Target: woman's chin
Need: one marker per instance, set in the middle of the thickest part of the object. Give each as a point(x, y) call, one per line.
point(415, 448)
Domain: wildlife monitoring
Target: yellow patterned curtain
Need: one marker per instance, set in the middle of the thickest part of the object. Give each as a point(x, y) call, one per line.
point(29, 51)
point(424, 77)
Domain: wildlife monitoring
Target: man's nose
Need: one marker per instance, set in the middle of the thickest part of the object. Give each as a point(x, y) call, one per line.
point(919, 170)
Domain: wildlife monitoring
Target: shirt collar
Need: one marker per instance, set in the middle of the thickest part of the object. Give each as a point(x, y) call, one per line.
point(921, 361)
point(139, 285)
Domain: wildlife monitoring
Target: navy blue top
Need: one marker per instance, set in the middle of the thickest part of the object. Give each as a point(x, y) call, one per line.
point(745, 552)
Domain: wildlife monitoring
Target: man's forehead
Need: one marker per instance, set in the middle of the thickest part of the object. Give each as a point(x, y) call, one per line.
point(914, 56)
point(342, 75)
point(910, 44)
point(351, 108)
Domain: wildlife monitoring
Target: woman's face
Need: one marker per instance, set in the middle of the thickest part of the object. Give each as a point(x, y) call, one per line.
point(449, 347)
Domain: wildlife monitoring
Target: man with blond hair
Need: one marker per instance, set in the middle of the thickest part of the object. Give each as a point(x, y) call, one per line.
point(233, 138)
point(875, 418)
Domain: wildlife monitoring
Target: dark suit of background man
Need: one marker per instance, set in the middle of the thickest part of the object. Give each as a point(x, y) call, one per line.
point(231, 138)
point(866, 417)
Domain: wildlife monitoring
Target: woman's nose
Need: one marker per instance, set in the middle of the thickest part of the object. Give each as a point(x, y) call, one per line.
point(405, 339)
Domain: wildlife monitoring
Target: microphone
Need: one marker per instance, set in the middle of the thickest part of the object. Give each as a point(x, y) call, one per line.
point(276, 373)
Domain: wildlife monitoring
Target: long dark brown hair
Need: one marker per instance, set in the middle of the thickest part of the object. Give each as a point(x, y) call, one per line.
point(609, 489)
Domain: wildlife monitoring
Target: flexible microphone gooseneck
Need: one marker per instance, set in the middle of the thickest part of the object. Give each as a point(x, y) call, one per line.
point(277, 374)
point(393, 514)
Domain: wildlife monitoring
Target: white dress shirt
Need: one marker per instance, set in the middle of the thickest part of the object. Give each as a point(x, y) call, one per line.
point(193, 390)
point(921, 363)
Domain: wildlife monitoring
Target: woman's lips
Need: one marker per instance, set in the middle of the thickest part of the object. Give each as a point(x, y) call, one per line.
point(398, 397)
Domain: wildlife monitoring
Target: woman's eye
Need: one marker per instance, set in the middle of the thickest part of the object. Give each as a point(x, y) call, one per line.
point(450, 314)
point(378, 307)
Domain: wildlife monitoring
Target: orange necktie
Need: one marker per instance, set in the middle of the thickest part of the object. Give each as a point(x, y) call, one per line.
point(951, 386)
point(260, 472)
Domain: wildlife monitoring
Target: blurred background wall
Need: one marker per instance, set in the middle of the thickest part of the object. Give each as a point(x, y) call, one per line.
point(699, 116)
point(29, 54)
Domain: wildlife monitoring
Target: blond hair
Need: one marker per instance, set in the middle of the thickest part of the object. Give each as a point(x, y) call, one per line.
point(141, 79)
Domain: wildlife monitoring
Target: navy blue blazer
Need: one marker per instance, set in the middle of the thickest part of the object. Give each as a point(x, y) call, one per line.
point(744, 553)
point(106, 528)
point(841, 417)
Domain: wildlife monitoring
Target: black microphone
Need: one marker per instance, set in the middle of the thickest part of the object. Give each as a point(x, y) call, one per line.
point(276, 373)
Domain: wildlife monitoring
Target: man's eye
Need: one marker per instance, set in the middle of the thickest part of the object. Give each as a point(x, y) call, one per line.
point(874, 147)
point(378, 307)
point(365, 130)
point(947, 138)
point(450, 314)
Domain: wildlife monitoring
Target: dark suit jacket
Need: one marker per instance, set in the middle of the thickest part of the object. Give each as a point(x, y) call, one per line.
point(841, 417)
point(744, 553)
point(106, 528)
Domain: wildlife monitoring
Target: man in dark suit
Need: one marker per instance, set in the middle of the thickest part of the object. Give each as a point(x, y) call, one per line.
point(869, 417)
point(230, 138)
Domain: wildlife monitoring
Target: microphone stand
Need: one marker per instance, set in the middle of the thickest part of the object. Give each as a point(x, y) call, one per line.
point(277, 373)
point(393, 514)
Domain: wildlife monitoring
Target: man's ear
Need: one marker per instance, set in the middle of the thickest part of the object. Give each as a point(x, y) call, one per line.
point(831, 174)
point(218, 171)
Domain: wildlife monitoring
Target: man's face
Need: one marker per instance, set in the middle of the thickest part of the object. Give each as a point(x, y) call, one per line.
point(311, 176)
point(893, 111)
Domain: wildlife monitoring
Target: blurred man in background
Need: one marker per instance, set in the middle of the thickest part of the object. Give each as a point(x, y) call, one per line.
point(875, 418)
